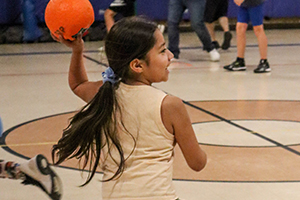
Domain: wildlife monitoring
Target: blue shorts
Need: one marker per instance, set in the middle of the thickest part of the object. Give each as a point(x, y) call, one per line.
point(253, 14)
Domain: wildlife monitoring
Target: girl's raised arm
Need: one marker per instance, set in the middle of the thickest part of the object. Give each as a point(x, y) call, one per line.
point(78, 79)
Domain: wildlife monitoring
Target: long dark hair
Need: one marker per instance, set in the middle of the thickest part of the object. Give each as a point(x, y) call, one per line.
point(95, 125)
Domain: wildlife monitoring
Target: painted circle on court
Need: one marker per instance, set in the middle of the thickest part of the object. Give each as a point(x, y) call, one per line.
point(245, 141)
point(222, 133)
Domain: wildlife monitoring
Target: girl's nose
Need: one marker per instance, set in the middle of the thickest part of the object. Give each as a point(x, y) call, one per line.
point(170, 55)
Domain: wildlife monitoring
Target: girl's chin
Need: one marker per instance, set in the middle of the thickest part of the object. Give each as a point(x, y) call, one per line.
point(166, 78)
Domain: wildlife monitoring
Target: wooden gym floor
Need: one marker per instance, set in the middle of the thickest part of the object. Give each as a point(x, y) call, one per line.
point(249, 124)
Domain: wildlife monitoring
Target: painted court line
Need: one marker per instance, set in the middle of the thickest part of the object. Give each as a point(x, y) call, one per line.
point(244, 128)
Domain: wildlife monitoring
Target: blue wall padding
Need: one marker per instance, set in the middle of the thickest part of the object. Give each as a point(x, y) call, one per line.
point(154, 9)
point(286, 8)
point(10, 11)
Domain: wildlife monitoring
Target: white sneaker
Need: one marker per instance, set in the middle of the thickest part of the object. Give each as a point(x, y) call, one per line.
point(161, 27)
point(214, 55)
point(102, 53)
point(103, 57)
point(174, 59)
point(37, 172)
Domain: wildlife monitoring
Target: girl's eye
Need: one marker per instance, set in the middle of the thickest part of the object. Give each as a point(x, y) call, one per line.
point(164, 50)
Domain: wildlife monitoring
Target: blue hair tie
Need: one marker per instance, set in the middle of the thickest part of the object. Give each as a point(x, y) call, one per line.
point(109, 75)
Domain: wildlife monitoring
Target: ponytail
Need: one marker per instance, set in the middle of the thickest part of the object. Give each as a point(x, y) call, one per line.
point(82, 139)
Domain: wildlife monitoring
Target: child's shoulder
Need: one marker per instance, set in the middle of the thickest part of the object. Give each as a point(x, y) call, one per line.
point(172, 102)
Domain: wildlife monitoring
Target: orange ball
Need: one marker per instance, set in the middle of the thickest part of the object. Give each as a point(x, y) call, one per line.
point(69, 17)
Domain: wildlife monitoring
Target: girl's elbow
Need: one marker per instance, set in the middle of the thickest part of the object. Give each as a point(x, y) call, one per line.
point(200, 164)
point(200, 167)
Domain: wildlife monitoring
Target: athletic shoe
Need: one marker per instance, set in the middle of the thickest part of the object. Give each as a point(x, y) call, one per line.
point(227, 39)
point(37, 172)
point(262, 67)
point(236, 66)
point(214, 55)
point(102, 53)
point(216, 44)
point(174, 59)
point(161, 27)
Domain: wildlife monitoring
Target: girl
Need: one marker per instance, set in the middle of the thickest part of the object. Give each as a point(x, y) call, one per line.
point(128, 127)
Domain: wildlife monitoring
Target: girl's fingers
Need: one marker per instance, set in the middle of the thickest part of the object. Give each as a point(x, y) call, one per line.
point(54, 37)
point(76, 44)
point(59, 38)
point(79, 36)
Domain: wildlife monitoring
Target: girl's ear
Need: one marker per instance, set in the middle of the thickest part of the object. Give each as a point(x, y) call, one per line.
point(136, 66)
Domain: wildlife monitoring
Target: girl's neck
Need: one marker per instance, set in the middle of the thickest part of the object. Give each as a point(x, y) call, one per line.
point(136, 82)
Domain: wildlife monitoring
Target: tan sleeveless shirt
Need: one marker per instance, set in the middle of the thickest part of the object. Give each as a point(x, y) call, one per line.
point(149, 166)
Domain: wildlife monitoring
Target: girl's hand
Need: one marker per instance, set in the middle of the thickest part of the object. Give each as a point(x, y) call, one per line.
point(77, 45)
point(238, 2)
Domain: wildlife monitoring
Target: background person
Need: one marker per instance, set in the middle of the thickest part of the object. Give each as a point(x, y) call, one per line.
point(216, 10)
point(250, 10)
point(196, 9)
point(126, 8)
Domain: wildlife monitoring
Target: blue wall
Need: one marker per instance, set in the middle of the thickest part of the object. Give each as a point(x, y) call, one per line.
point(10, 10)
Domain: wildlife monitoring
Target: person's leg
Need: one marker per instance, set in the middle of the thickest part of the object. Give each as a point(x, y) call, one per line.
point(196, 9)
point(221, 14)
point(224, 23)
point(210, 17)
point(175, 11)
point(227, 35)
point(262, 41)
point(109, 18)
point(211, 29)
point(241, 28)
point(223, 20)
point(256, 16)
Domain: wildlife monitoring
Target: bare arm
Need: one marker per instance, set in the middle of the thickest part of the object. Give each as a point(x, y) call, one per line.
point(177, 121)
point(238, 2)
point(78, 79)
point(109, 18)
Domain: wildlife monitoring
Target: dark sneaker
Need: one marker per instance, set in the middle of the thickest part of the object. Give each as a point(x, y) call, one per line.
point(236, 66)
point(227, 39)
point(263, 67)
point(37, 172)
point(216, 44)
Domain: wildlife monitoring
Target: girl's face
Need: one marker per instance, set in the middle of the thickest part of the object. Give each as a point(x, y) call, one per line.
point(158, 60)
